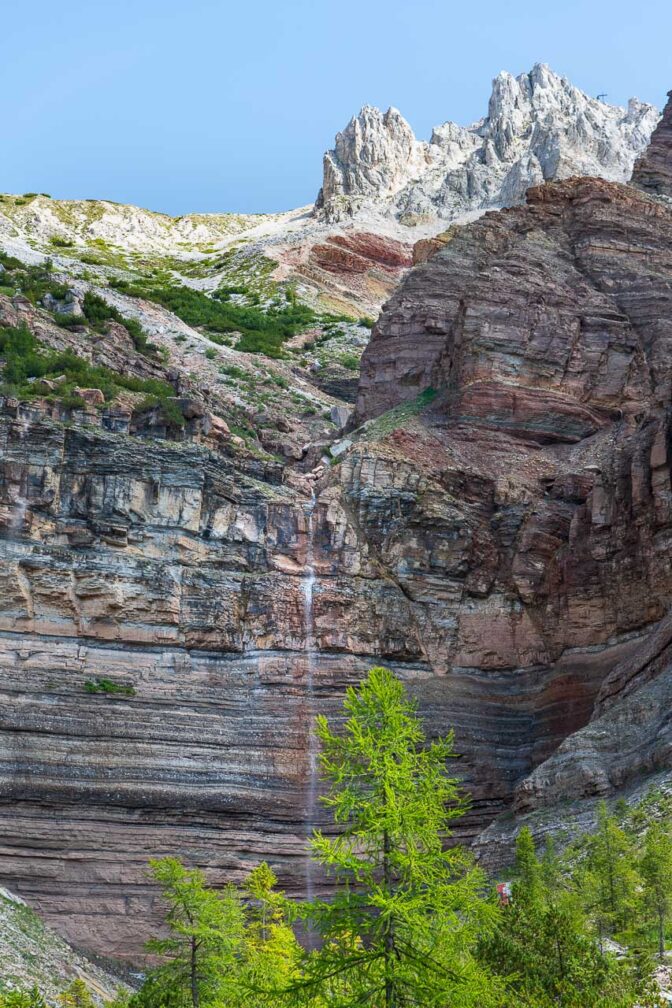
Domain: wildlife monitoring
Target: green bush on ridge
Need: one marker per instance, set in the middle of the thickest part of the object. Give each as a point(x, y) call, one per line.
point(25, 358)
point(261, 331)
point(109, 687)
point(34, 282)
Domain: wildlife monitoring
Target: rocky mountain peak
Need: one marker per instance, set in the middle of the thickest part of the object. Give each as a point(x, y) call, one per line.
point(374, 156)
point(653, 170)
point(539, 127)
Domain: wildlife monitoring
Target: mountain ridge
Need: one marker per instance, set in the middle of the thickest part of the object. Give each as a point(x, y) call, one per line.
point(348, 252)
point(538, 127)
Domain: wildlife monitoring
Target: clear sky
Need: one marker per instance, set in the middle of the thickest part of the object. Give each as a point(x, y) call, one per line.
point(210, 105)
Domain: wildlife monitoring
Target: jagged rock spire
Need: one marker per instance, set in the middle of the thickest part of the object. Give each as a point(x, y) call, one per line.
point(538, 127)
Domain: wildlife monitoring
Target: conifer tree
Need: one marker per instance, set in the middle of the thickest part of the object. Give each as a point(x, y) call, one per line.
point(22, 999)
point(609, 877)
point(271, 952)
point(545, 944)
point(203, 950)
point(402, 927)
point(656, 871)
point(77, 995)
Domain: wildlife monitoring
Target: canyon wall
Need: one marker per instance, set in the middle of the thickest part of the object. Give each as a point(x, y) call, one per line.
point(496, 528)
point(653, 170)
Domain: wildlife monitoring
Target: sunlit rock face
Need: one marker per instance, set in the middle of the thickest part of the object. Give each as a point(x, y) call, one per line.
point(539, 127)
point(545, 333)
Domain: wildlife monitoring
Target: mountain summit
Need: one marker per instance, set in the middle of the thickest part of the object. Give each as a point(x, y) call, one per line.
point(539, 127)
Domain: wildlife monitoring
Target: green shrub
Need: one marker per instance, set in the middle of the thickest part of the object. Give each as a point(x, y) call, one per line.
point(25, 357)
point(107, 686)
point(170, 412)
point(58, 241)
point(261, 331)
point(22, 999)
point(33, 281)
point(99, 313)
point(233, 371)
point(9, 262)
point(349, 361)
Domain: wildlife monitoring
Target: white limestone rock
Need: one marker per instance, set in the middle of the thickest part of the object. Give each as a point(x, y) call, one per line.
point(538, 127)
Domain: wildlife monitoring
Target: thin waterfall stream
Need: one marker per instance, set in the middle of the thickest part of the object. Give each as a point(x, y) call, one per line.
point(308, 587)
point(24, 424)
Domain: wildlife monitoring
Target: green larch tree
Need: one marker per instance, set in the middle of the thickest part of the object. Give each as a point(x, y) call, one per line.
point(77, 995)
point(202, 953)
point(656, 872)
point(609, 883)
point(545, 945)
point(271, 951)
point(403, 924)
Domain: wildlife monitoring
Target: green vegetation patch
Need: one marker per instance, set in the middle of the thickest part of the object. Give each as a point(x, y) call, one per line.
point(109, 687)
point(383, 425)
point(34, 282)
point(261, 331)
point(25, 358)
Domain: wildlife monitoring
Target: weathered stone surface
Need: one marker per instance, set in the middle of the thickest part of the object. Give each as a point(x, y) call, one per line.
point(653, 170)
point(545, 333)
point(34, 955)
point(538, 127)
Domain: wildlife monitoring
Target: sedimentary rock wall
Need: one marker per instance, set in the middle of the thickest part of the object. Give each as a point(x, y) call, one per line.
point(544, 334)
point(498, 531)
point(653, 170)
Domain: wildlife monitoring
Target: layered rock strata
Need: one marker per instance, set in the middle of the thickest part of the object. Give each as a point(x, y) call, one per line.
point(496, 528)
point(653, 170)
point(498, 532)
point(544, 333)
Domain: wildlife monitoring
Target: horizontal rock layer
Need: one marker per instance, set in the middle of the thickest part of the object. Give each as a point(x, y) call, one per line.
point(497, 530)
point(544, 334)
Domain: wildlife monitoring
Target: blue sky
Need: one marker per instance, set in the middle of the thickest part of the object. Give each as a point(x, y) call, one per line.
point(209, 105)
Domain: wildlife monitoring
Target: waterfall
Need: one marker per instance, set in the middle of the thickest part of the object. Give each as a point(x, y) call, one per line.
point(307, 587)
point(24, 424)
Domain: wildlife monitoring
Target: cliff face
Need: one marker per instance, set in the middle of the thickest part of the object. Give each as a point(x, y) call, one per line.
point(501, 541)
point(183, 573)
point(653, 170)
point(496, 528)
point(545, 333)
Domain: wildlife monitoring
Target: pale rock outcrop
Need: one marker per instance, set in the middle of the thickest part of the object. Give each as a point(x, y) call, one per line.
point(33, 954)
point(538, 127)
